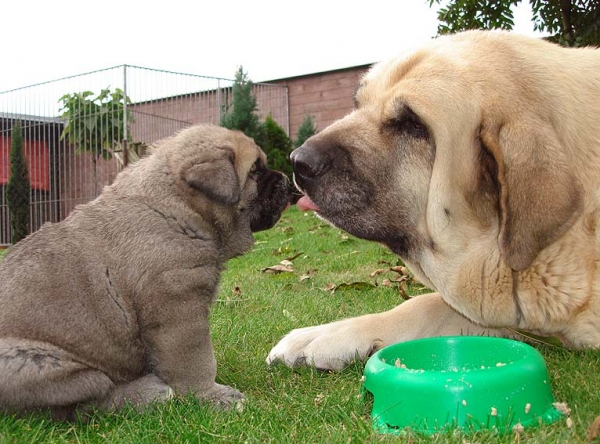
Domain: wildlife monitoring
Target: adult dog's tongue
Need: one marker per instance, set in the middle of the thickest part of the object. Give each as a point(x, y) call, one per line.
point(305, 204)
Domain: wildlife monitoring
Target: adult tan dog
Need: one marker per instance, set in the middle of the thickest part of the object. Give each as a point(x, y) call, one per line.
point(477, 160)
point(111, 305)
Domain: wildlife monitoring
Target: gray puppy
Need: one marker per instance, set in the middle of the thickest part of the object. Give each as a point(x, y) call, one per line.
point(111, 304)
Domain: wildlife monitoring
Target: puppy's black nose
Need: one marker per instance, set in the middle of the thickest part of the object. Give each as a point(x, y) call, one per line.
point(308, 162)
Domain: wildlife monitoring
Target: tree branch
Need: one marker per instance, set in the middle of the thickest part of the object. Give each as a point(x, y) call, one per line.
point(565, 10)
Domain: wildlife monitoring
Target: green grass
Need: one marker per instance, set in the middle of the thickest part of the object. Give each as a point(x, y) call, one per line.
point(254, 310)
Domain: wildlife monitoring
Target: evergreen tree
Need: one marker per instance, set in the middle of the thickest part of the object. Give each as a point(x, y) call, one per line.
point(17, 189)
point(306, 130)
point(241, 114)
point(277, 146)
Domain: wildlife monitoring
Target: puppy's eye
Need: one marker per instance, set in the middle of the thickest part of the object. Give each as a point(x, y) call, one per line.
point(255, 170)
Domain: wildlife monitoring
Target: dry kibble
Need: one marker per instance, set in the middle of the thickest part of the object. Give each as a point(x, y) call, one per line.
point(398, 363)
point(562, 407)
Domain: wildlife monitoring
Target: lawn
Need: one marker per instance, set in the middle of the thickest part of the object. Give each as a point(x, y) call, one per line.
point(255, 308)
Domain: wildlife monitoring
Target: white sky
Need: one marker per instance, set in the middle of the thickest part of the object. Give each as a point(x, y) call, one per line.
point(45, 40)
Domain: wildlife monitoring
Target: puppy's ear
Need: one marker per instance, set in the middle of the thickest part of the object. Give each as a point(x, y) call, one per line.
point(540, 198)
point(212, 172)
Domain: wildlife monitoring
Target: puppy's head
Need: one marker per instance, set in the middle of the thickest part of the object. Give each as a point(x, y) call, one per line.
point(230, 171)
point(218, 174)
point(450, 146)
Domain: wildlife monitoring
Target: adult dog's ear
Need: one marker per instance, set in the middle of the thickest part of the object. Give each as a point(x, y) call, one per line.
point(540, 198)
point(212, 172)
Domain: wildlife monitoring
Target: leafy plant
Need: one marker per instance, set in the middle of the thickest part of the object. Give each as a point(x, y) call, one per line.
point(18, 187)
point(306, 130)
point(95, 124)
point(570, 22)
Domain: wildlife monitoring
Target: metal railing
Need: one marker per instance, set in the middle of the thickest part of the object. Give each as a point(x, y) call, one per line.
point(64, 174)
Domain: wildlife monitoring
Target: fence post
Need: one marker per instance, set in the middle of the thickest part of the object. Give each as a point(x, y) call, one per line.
point(219, 107)
point(125, 123)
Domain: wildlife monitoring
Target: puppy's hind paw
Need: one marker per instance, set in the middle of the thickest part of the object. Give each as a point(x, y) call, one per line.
point(224, 397)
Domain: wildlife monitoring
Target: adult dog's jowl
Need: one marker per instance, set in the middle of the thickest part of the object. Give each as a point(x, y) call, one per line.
point(477, 160)
point(111, 304)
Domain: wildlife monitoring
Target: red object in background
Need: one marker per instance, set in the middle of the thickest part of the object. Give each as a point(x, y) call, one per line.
point(36, 153)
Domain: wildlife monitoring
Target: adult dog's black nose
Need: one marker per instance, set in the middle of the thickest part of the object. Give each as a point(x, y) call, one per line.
point(309, 162)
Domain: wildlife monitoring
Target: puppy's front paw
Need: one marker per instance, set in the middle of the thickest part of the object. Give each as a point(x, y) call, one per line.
point(326, 347)
point(224, 397)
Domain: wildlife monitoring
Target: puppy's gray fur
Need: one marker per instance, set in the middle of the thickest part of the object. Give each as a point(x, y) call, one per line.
point(111, 304)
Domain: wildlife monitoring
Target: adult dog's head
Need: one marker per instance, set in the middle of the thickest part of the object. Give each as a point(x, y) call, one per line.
point(453, 149)
point(219, 174)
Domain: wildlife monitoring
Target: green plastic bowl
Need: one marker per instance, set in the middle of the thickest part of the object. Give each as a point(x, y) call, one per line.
point(470, 382)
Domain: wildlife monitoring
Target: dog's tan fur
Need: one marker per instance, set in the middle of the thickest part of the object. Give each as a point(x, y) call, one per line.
point(496, 208)
point(111, 304)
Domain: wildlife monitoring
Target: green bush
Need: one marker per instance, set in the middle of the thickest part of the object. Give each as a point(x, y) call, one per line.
point(277, 146)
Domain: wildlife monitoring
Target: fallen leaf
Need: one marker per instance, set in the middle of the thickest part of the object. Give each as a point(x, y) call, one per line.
point(329, 287)
point(237, 291)
point(295, 256)
point(400, 270)
point(379, 271)
point(360, 286)
point(402, 291)
point(286, 263)
point(551, 341)
point(594, 429)
point(276, 269)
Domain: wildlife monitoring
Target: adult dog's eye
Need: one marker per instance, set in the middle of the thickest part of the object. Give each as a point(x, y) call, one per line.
point(407, 122)
point(411, 126)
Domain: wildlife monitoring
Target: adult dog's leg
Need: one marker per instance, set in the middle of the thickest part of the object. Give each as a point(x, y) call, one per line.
point(38, 375)
point(332, 346)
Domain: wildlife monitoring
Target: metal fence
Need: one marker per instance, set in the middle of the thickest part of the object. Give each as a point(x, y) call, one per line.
point(69, 169)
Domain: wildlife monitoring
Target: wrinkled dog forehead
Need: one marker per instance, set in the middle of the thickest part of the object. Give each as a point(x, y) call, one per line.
point(197, 139)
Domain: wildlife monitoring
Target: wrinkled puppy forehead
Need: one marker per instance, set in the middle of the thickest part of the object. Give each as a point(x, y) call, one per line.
point(202, 138)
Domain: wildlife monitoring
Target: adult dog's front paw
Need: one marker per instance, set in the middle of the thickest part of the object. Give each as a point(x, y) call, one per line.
point(326, 347)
